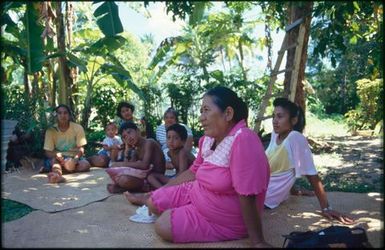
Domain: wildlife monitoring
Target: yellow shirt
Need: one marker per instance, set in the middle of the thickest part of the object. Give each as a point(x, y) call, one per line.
point(278, 159)
point(65, 142)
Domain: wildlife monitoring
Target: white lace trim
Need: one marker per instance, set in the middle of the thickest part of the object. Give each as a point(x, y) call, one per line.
point(221, 155)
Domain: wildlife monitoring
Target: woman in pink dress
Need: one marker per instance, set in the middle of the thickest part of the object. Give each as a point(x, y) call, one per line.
point(220, 197)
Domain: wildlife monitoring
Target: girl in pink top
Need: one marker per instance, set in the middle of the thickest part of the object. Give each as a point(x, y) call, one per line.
point(221, 196)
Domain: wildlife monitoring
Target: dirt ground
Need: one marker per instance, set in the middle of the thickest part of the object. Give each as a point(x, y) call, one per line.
point(352, 159)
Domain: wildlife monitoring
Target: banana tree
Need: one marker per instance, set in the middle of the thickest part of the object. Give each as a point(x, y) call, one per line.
point(189, 50)
point(92, 62)
point(97, 62)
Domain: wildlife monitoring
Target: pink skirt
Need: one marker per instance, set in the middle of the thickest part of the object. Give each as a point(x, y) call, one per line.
point(187, 224)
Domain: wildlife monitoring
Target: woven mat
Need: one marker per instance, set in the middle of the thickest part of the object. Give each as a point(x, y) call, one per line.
point(106, 224)
point(33, 189)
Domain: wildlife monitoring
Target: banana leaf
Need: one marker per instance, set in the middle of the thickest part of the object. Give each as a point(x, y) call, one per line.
point(106, 44)
point(108, 20)
point(77, 62)
point(34, 41)
point(197, 13)
point(123, 77)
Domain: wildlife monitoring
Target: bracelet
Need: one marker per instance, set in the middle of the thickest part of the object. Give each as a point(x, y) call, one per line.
point(326, 209)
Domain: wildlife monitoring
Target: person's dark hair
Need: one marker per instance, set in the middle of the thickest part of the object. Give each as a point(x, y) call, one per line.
point(172, 111)
point(179, 129)
point(224, 97)
point(67, 108)
point(294, 111)
point(124, 104)
point(127, 125)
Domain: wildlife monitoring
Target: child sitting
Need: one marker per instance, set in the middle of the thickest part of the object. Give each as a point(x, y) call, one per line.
point(112, 143)
point(181, 158)
point(140, 157)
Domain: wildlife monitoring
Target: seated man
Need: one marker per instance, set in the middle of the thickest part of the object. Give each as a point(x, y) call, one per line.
point(64, 147)
point(130, 174)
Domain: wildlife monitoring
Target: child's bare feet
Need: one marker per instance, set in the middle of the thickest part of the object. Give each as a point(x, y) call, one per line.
point(115, 189)
point(137, 199)
point(55, 177)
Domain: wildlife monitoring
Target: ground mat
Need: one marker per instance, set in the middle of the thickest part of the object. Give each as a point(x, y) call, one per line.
point(33, 189)
point(106, 224)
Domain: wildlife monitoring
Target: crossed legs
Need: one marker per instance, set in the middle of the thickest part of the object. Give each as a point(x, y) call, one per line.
point(69, 165)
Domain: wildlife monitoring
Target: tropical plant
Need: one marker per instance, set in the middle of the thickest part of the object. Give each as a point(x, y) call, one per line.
point(371, 107)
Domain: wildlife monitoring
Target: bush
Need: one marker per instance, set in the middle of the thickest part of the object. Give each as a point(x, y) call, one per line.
point(370, 109)
point(105, 98)
point(92, 137)
point(30, 113)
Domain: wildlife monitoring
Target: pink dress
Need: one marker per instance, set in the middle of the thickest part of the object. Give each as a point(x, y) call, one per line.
point(208, 208)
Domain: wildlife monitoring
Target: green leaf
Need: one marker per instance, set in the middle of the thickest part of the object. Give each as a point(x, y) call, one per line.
point(107, 44)
point(123, 77)
point(88, 34)
point(355, 27)
point(218, 75)
point(77, 62)
point(12, 49)
point(7, 5)
point(180, 48)
point(108, 19)
point(34, 41)
point(165, 46)
point(197, 13)
point(353, 40)
point(356, 6)
point(11, 25)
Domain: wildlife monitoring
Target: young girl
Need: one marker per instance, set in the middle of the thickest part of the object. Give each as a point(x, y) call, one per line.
point(130, 174)
point(112, 143)
point(290, 157)
point(181, 158)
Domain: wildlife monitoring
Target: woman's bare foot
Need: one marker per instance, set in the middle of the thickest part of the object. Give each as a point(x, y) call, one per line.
point(137, 199)
point(55, 177)
point(115, 189)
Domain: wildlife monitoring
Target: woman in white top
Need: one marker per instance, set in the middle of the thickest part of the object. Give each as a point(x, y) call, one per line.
point(290, 157)
point(170, 117)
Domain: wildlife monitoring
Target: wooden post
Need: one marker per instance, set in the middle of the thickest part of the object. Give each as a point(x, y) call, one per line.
point(297, 62)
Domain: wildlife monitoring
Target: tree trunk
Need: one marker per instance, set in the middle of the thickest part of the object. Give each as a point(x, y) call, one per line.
point(54, 87)
point(87, 105)
point(297, 10)
point(27, 89)
point(35, 84)
point(241, 60)
point(3, 75)
point(269, 66)
point(65, 81)
point(74, 100)
point(205, 73)
point(223, 60)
